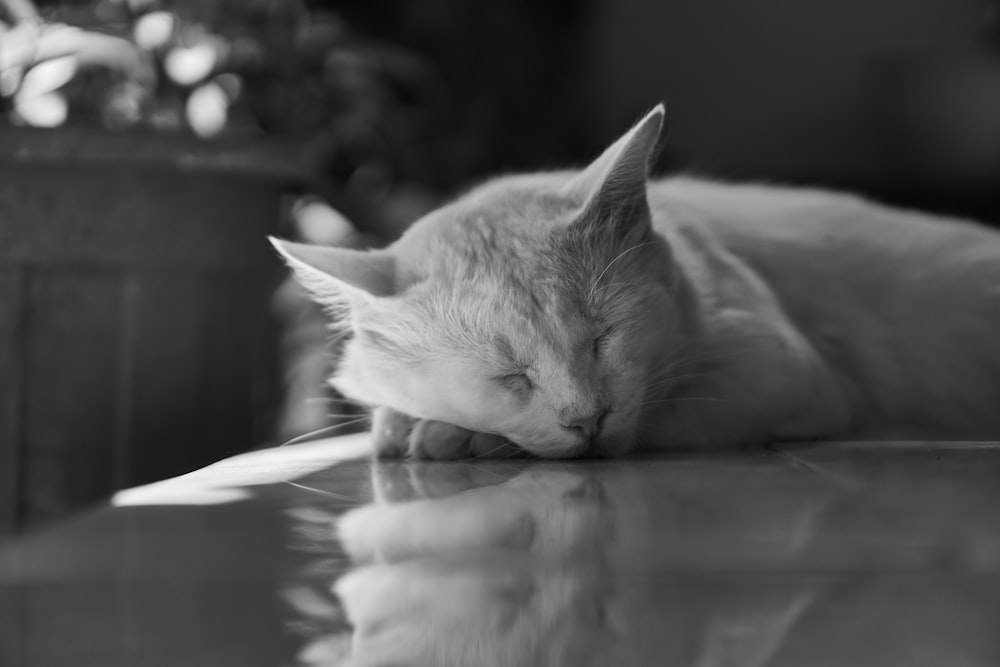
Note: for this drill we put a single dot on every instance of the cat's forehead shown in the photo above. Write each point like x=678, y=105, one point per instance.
x=515, y=206
x=491, y=262
x=528, y=196
x=499, y=218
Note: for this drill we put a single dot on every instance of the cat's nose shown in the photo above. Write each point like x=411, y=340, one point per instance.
x=589, y=426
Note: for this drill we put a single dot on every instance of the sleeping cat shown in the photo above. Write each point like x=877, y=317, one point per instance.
x=595, y=312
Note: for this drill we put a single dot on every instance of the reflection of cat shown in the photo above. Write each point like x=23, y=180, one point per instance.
x=757, y=564
x=595, y=312
x=545, y=568
x=507, y=574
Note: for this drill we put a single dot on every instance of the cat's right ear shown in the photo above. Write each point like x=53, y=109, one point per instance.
x=338, y=278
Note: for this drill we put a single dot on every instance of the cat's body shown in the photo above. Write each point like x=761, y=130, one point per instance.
x=595, y=312
x=902, y=309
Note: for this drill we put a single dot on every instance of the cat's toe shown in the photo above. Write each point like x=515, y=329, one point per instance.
x=390, y=433
x=396, y=435
x=438, y=441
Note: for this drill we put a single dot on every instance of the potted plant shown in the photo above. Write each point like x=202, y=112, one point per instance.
x=146, y=150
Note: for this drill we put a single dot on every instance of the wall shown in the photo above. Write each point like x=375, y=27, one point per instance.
x=766, y=87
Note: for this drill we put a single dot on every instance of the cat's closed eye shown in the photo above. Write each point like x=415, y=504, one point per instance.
x=600, y=343
x=518, y=383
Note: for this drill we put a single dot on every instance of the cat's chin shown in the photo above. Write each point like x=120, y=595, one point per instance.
x=576, y=451
x=611, y=447
x=604, y=447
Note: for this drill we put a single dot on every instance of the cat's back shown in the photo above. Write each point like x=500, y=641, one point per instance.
x=785, y=232
x=810, y=217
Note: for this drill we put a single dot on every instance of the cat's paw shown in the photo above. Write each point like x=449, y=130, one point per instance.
x=396, y=435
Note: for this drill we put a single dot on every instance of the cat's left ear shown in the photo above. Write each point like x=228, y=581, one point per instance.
x=339, y=278
x=613, y=186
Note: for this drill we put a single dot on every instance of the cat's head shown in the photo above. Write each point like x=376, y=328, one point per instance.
x=538, y=307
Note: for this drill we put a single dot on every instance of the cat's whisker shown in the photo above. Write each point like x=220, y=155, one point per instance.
x=672, y=380
x=514, y=452
x=332, y=399
x=593, y=288
x=671, y=368
x=499, y=447
x=312, y=489
x=667, y=377
x=664, y=378
x=334, y=342
x=677, y=399
x=311, y=434
x=352, y=422
x=685, y=360
x=619, y=284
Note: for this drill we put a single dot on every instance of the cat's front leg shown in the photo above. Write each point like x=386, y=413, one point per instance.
x=396, y=435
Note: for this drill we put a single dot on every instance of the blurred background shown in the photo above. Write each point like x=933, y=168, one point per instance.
x=147, y=147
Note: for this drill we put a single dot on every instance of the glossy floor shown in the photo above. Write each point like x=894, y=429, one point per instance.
x=837, y=555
